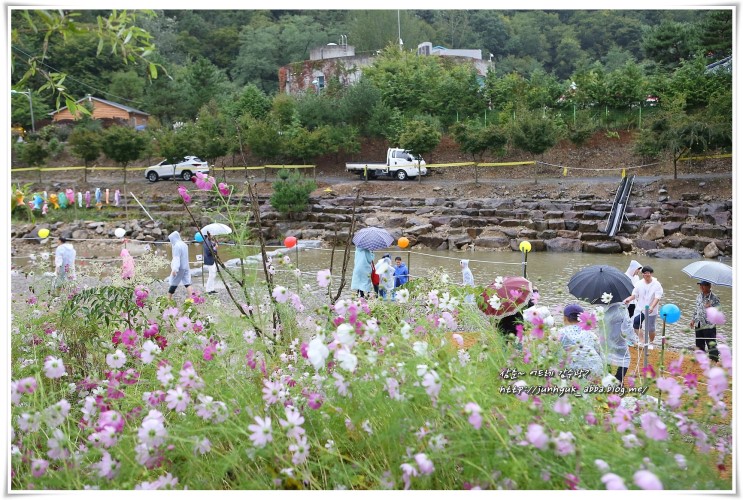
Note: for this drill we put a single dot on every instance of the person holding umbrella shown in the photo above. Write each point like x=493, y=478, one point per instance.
x=706, y=332
x=362, y=269
x=210, y=245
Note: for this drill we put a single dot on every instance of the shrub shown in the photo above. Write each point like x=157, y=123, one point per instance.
x=291, y=192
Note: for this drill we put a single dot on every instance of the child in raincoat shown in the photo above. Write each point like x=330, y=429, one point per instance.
x=64, y=261
x=127, y=264
x=467, y=279
x=386, y=277
x=180, y=273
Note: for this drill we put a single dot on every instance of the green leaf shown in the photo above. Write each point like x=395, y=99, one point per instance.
x=153, y=70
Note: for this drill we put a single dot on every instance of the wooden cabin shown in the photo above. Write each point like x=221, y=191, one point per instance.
x=107, y=111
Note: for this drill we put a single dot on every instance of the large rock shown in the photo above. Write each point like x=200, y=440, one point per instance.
x=555, y=224
x=674, y=253
x=434, y=241
x=624, y=242
x=642, y=212
x=602, y=247
x=707, y=230
x=646, y=244
x=422, y=229
x=711, y=251
x=563, y=245
x=492, y=242
x=671, y=227
x=654, y=232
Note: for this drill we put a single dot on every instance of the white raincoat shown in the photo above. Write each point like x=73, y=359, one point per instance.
x=179, y=264
x=467, y=279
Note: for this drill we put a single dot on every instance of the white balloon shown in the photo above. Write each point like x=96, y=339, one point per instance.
x=120, y=232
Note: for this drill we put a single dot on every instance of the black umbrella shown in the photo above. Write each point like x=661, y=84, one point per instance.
x=592, y=283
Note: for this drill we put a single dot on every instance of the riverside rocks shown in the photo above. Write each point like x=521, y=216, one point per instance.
x=685, y=228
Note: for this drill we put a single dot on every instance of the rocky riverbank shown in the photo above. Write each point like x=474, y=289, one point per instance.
x=688, y=227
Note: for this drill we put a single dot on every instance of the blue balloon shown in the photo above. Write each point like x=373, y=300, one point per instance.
x=670, y=313
x=198, y=238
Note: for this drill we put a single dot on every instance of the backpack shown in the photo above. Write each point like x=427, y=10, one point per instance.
x=374, y=275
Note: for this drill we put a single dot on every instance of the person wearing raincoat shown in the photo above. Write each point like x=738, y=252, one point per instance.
x=386, y=277
x=64, y=261
x=127, y=264
x=614, y=332
x=467, y=279
x=180, y=273
x=362, y=268
x=633, y=271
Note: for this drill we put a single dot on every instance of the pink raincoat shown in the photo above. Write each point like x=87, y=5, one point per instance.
x=127, y=265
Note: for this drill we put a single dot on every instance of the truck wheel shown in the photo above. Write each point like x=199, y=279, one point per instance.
x=401, y=175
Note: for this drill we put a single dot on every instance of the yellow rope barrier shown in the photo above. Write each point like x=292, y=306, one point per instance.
x=506, y=164
x=705, y=157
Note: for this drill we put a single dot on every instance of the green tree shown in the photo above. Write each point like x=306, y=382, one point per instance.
x=716, y=36
x=264, y=139
x=33, y=153
x=291, y=192
x=476, y=140
x=86, y=145
x=123, y=145
x=535, y=135
x=214, y=134
x=675, y=133
x=670, y=43
x=127, y=84
x=358, y=103
x=419, y=137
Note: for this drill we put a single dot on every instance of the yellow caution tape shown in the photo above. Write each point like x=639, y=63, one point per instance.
x=506, y=164
x=564, y=171
x=705, y=157
x=624, y=173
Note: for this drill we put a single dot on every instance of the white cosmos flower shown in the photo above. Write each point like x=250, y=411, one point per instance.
x=606, y=298
x=405, y=330
x=420, y=347
x=346, y=360
x=345, y=335
x=317, y=352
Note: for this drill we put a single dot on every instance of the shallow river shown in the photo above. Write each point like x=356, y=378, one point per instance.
x=549, y=272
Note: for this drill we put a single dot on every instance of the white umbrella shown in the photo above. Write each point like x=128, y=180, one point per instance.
x=715, y=272
x=216, y=229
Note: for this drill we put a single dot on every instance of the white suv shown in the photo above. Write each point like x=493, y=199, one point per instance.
x=183, y=169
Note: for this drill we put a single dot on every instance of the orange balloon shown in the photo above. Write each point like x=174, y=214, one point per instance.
x=403, y=242
x=290, y=241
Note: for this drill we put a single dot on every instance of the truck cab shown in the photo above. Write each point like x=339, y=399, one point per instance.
x=401, y=157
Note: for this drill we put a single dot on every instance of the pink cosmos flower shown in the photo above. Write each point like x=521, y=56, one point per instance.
x=56, y=444
x=432, y=384
x=670, y=386
x=250, y=359
x=591, y=418
x=473, y=410
x=261, y=432
x=27, y=385
x=425, y=465
x=323, y=278
x=177, y=399
x=646, y=480
x=116, y=359
x=54, y=367
x=536, y=437
x=39, y=467
x=717, y=383
x=164, y=374
x=224, y=189
x=184, y=194
x=653, y=426
x=300, y=450
x=715, y=316
x=314, y=401
x=152, y=432
x=152, y=330
x=111, y=418
x=183, y=324
x=622, y=419
x=293, y=423
x=564, y=444
x=272, y=392
x=726, y=357
x=189, y=378
x=107, y=467
x=408, y=471
x=202, y=447
x=587, y=320
x=281, y=294
x=613, y=482
x=170, y=312
x=129, y=337
x=562, y=406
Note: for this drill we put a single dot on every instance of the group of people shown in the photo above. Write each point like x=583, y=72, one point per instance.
x=383, y=278
x=624, y=324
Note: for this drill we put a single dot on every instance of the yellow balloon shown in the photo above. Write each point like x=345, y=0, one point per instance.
x=525, y=246
x=43, y=233
x=403, y=242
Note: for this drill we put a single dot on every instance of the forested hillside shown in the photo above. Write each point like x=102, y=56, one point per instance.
x=554, y=74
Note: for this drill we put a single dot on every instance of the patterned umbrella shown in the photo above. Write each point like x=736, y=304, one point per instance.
x=373, y=238
x=592, y=282
x=716, y=273
x=513, y=294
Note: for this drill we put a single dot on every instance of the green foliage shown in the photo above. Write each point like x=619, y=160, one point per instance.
x=670, y=43
x=32, y=152
x=419, y=137
x=214, y=134
x=85, y=144
x=535, y=134
x=123, y=144
x=264, y=139
x=291, y=192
